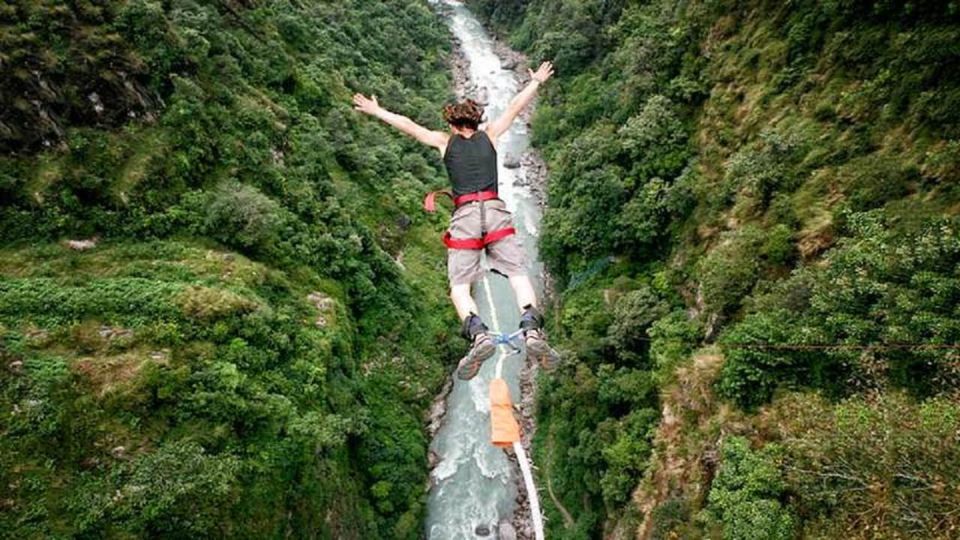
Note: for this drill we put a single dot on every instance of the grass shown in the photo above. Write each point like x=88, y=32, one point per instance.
x=146, y=147
x=48, y=171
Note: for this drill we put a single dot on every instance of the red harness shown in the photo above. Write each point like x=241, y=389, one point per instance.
x=430, y=205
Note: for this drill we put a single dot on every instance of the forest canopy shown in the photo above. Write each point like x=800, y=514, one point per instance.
x=779, y=182
x=234, y=351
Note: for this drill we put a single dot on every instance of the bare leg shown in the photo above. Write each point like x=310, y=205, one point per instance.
x=463, y=300
x=523, y=290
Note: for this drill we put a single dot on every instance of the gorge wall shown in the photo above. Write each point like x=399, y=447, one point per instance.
x=774, y=275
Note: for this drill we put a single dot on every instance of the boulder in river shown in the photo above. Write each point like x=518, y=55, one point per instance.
x=511, y=161
x=508, y=64
x=506, y=531
x=483, y=96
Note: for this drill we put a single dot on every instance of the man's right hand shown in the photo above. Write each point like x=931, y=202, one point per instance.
x=544, y=72
x=364, y=104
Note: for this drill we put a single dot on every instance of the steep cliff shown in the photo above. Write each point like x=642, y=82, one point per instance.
x=774, y=281
x=219, y=312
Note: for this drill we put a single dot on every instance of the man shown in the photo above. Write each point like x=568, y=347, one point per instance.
x=481, y=221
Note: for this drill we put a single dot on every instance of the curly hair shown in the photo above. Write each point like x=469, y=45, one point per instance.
x=467, y=114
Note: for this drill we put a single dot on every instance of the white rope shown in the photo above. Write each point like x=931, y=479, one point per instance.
x=531, y=491
x=532, y=494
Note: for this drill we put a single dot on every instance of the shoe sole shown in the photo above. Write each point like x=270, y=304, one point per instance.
x=469, y=367
x=539, y=351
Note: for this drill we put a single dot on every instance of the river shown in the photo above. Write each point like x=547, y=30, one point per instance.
x=474, y=485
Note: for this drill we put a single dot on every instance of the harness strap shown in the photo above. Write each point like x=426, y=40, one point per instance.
x=477, y=196
x=430, y=201
x=477, y=243
x=430, y=205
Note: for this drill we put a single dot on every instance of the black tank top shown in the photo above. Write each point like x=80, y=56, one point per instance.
x=471, y=163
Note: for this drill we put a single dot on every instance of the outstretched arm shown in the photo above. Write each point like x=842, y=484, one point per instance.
x=404, y=124
x=520, y=101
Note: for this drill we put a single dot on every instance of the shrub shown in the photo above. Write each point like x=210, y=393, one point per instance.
x=177, y=488
x=750, y=375
x=873, y=181
x=882, y=288
x=778, y=248
x=672, y=341
x=884, y=464
x=625, y=456
x=729, y=271
x=633, y=314
x=655, y=140
x=759, y=170
x=240, y=215
x=745, y=495
x=209, y=303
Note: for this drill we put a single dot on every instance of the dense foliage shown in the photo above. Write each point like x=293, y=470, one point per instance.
x=248, y=348
x=745, y=497
x=776, y=178
x=874, y=466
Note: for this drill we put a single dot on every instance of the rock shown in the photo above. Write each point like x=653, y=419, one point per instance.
x=97, y=103
x=37, y=336
x=119, y=452
x=511, y=161
x=83, y=245
x=509, y=63
x=505, y=531
x=483, y=96
x=16, y=366
x=324, y=304
x=482, y=530
x=438, y=409
x=111, y=333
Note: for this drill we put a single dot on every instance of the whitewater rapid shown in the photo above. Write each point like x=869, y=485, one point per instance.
x=473, y=486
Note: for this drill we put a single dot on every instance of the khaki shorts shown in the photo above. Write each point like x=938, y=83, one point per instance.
x=504, y=256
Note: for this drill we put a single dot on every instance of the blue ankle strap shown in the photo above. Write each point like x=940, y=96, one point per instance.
x=511, y=340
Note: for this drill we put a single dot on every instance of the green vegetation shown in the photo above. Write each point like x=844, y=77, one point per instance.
x=248, y=349
x=761, y=334
x=777, y=177
x=883, y=463
x=745, y=495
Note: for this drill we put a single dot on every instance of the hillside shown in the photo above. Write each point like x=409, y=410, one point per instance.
x=218, y=305
x=763, y=331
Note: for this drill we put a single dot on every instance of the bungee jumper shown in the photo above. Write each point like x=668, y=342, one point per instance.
x=481, y=222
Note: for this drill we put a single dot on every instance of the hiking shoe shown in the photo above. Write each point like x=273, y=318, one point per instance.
x=483, y=347
x=539, y=351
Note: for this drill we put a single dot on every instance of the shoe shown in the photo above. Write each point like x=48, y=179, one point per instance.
x=483, y=347
x=531, y=322
x=539, y=351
